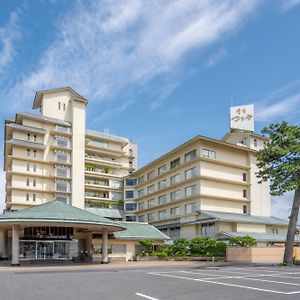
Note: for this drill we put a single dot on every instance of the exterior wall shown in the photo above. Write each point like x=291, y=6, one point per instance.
x=221, y=205
x=242, y=227
x=258, y=254
x=78, y=152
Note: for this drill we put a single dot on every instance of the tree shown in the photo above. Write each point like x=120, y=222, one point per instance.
x=279, y=162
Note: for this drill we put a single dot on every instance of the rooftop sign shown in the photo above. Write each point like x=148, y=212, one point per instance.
x=242, y=117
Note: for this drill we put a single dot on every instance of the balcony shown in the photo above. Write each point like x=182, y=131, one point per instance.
x=98, y=160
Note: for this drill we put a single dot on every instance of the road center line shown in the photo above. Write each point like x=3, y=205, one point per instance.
x=145, y=296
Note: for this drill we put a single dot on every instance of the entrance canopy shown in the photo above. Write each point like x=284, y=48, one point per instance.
x=57, y=213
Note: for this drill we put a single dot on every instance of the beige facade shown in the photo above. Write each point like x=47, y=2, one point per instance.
x=52, y=155
x=175, y=191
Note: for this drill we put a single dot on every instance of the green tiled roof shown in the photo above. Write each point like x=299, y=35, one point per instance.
x=57, y=212
x=139, y=231
x=243, y=218
x=105, y=212
x=260, y=237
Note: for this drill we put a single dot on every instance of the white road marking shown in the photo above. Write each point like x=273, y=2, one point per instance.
x=265, y=280
x=145, y=296
x=225, y=284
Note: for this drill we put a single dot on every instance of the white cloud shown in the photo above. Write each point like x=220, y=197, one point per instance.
x=103, y=49
x=286, y=108
x=289, y=4
x=9, y=34
x=281, y=206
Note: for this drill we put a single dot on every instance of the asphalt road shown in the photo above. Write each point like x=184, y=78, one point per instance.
x=162, y=283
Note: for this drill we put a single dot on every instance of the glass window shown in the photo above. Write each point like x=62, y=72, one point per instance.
x=61, y=185
x=190, y=155
x=62, y=171
x=175, y=179
x=130, y=206
x=209, y=153
x=63, y=129
x=34, y=168
x=129, y=194
x=141, y=193
x=162, y=199
x=141, y=180
x=162, y=169
x=244, y=193
x=28, y=152
x=34, y=197
x=62, y=198
x=151, y=188
x=141, y=218
x=28, y=167
x=151, y=175
x=244, y=176
x=118, y=249
x=34, y=138
x=62, y=142
x=131, y=218
x=62, y=156
x=27, y=197
x=175, y=233
x=255, y=143
x=162, y=214
x=130, y=182
x=190, y=173
x=174, y=211
x=151, y=203
x=191, y=190
x=162, y=184
x=208, y=230
x=34, y=182
x=151, y=217
x=174, y=163
x=27, y=181
x=175, y=195
x=244, y=209
x=34, y=153
x=141, y=205
x=190, y=208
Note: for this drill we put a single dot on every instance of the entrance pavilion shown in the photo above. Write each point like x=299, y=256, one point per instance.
x=52, y=230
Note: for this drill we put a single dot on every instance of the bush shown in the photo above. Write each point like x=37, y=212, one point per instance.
x=180, y=247
x=148, y=247
x=245, y=241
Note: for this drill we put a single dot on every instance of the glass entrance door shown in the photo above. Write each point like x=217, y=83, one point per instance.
x=44, y=250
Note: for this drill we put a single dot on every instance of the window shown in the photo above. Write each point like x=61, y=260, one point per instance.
x=28, y=167
x=208, y=230
x=34, y=153
x=151, y=188
x=100, y=144
x=130, y=182
x=141, y=205
x=175, y=233
x=27, y=197
x=61, y=185
x=245, y=209
x=34, y=138
x=141, y=180
x=209, y=153
x=63, y=129
x=175, y=211
x=244, y=193
x=141, y=218
x=130, y=206
x=151, y=203
x=175, y=195
x=174, y=163
x=28, y=137
x=34, y=197
x=140, y=193
x=62, y=156
x=174, y=179
x=28, y=152
x=190, y=156
x=34, y=168
x=162, y=199
x=27, y=182
x=34, y=182
x=255, y=142
x=275, y=230
x=64, y=105
x=161, y=184
x=62, y=142
x=129, y=194
x=191, y=190
x=190, y=173
x=190, y=208
x=59, y=105
x=150, y=175
x=151, y=217
x=62, y=171
x=244, y=177
x=162, y=214
x=162, y=169
x=131, y=218
x=62, y=198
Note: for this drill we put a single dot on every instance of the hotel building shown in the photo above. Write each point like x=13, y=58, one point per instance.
x=51, y=156
x=207, y=187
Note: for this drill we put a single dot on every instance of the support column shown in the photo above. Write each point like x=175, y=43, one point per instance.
x=15, y=246
x=104, y=247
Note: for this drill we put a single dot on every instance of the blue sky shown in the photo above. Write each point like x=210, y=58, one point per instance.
x=159, y=72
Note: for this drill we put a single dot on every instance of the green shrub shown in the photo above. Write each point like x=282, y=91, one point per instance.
x=148, y=247
x=180, y=247
x=245, y=241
